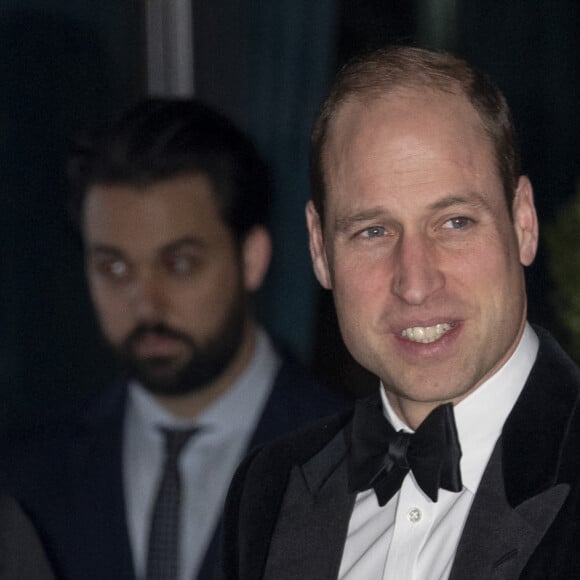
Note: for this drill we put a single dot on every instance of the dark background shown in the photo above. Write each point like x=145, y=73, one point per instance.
x=69, y=64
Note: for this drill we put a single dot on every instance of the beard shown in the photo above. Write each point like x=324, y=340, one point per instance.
x=170, y=376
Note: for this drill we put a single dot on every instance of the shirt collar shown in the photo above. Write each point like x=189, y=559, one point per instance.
x=481, y=415
x=237, y=409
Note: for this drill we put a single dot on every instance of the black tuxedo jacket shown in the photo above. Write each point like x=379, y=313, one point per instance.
x=288, y=507
x=70, y=479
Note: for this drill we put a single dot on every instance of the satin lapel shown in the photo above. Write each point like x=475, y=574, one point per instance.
x=498, y=539
x=313, y=520
x=529, y=474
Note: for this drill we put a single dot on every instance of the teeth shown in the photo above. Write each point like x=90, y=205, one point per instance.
x=426, y=333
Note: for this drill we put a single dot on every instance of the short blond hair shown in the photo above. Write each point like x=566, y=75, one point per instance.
x=379, y=72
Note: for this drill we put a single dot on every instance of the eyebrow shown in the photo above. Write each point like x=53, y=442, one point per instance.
x=345, y=223
x=174, y=245
x=99, y=248
x=472, y=199
x=178, y=244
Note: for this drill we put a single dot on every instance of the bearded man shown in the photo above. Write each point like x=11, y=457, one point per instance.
x=172, y=205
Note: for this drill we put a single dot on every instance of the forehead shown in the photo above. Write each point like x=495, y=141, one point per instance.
x=145, y=217
x=407, y=139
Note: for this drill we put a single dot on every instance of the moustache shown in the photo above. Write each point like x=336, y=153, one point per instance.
x=159, y=329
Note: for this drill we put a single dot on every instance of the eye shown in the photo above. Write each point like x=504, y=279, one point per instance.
x=181, y=265
x=374, y=232
x=112, y=269
x=457, y=223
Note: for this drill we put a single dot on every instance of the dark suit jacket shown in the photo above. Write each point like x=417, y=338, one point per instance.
x=288, y=507
x=69, y=479
x=21, y=555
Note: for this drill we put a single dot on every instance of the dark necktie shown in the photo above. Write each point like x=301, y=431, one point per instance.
x=163, y=553
x=380, y=457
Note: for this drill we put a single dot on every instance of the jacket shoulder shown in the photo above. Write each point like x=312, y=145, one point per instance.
x=257, y=491
x=298, y=398
x=43, y=453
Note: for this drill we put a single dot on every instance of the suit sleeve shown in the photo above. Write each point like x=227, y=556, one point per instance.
x=22, y=556
x=230, y=553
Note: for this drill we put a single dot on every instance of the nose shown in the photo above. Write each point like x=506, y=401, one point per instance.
x=148, y=298
x=416, y=272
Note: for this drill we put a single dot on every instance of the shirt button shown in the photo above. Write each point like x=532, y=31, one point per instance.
x=414, y=515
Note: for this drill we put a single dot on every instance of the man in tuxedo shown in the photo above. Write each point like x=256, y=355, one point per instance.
x=172, y=206
x=466, y=462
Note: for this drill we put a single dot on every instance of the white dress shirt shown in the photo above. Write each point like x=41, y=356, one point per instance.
x=207, y=463
x=412, y=537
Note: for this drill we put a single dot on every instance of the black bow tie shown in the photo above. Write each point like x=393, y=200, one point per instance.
x=380, y=457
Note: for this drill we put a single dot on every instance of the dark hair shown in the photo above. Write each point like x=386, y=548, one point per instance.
x=375, y=74
x=163, y=138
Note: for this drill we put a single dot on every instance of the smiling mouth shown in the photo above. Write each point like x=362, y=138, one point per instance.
x=426, y=334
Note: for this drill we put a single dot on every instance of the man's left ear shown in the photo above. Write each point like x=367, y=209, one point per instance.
x=256, y=255
x=525, y=221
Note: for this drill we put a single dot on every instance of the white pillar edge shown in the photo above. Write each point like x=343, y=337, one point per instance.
x=169, y=47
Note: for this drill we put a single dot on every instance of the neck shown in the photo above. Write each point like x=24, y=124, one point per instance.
x=412, y=413
x=192, y=404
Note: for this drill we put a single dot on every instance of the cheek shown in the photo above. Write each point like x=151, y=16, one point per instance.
x=197, y=305
x=495, y=267
x=360, y=288
x=112, y=312
x=204, y=305
x=493, y=281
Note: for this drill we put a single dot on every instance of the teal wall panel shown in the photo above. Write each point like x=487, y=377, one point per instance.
x=64, y=65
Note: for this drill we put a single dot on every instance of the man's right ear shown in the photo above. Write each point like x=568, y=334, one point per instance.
x=317, y=249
